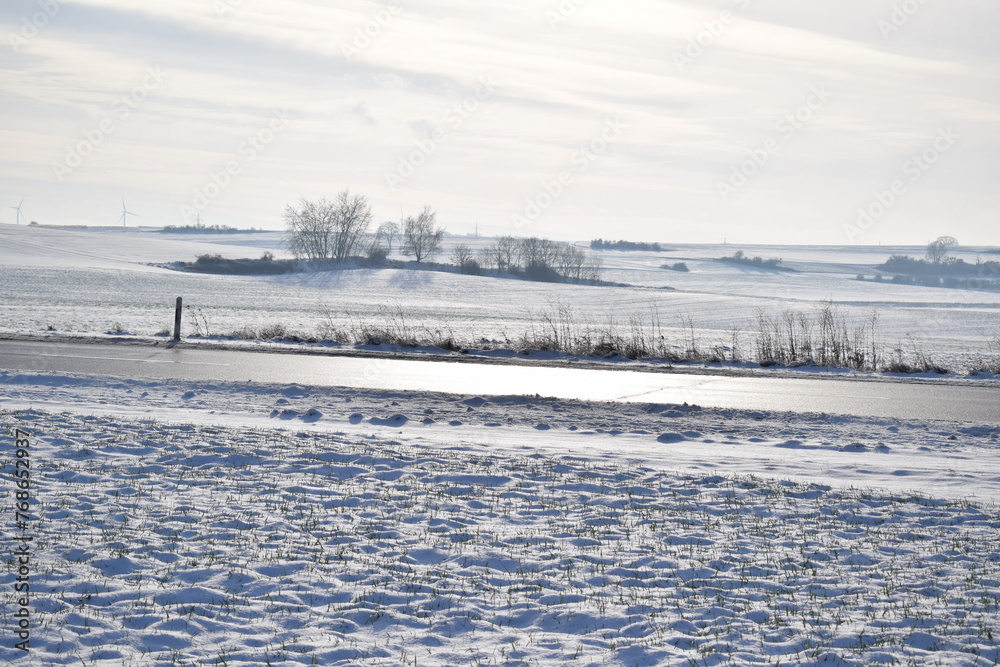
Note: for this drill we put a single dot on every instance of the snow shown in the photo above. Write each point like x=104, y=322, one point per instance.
x=951, y=460
x=88, y=282
x=247, y=523
x=255, y=523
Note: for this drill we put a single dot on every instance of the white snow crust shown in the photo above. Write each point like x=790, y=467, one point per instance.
x=198, y=523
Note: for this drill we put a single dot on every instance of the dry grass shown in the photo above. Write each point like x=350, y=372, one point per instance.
x=823, y=337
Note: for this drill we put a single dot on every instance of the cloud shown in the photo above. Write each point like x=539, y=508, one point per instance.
x=364, y=83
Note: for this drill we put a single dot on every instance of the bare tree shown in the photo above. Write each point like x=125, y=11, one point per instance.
x=320, y=230
x=461, y=254
x=375, y=252
x=937, y=251
x=352, y=219
x=537, y=257
x=593, y=267
x=389, y=230
x=464, y=258
x=310, y=229
x=502, y=253
x=571, y=262
x=421, y=238
x=486, y=258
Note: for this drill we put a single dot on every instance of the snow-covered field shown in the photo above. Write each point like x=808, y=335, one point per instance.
x=185, y=523
x=251, y=524
x=91, y=281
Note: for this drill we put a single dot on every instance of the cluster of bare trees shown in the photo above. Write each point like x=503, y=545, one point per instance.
x=533, y=258
x=328, y=230
x=337, y=230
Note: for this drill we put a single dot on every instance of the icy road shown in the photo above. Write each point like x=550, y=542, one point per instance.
x=907, y=400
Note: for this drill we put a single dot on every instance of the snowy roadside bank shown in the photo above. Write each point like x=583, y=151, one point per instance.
x=945, y=459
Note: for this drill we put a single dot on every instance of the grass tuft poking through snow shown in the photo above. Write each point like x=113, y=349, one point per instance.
x=181, y=544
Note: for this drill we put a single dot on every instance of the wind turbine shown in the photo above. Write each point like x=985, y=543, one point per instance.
x=126, y=213
x=18, y=216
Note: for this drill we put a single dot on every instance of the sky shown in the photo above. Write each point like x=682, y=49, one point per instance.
x=747, y=121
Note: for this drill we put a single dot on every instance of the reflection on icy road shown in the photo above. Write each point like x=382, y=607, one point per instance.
x=834, y=396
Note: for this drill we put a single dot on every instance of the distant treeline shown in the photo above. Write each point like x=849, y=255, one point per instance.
x=739, y=257
x=948, y=268
x=938, y=281
x=606, y=244
x=531, y=258
x=266, y=265
x=205, y=229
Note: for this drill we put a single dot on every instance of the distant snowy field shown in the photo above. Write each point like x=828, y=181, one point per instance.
x=92, y=281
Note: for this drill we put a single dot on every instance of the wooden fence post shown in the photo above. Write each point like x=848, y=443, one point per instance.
x=177, y=320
